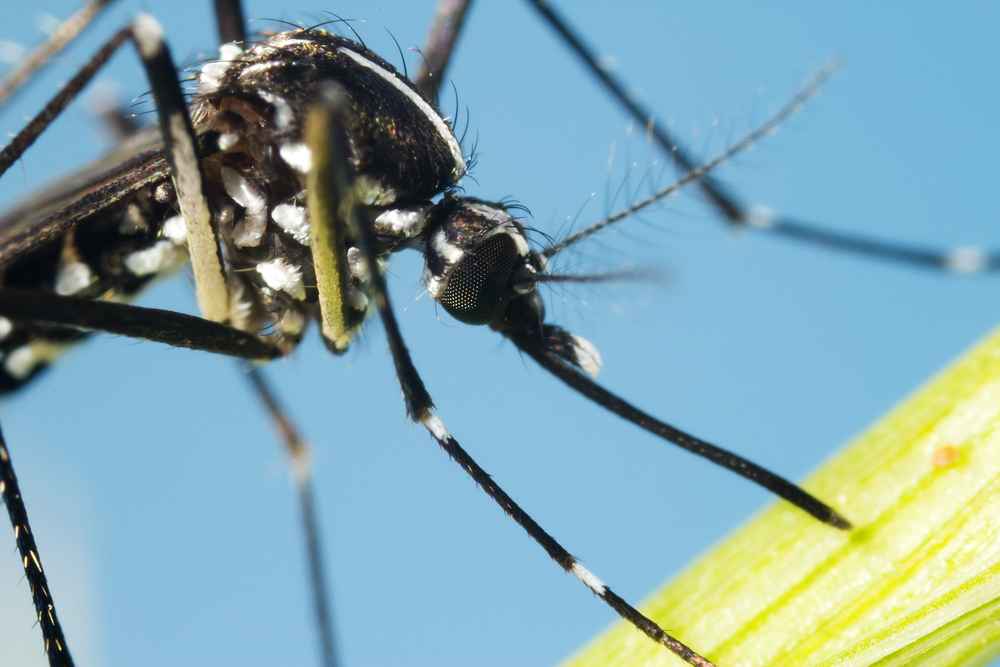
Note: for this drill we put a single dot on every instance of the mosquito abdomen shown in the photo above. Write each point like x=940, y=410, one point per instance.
x=111, y=254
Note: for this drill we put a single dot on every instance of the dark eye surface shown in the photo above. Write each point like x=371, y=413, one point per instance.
x=479, y=286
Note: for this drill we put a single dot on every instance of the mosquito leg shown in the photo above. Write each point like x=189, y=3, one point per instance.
x=180, y=146
x=153, y=324
x=331, y=148
x=328, y=241
x=440, y=45
x=67, y=31
x=230, y=21
x=298, y=454
x=52, y=632
x=37, y=125
x=720, y=198
x=533, y=345
x=733, y=210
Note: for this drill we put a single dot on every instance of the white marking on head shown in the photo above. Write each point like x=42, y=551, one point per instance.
x=966, y=259
x=159, y=257
x=245, y=192
x=435, y=119
x=148, y=35
x=588, y=578
x=761, y=217
x=448, y=251
x=402, y=223
x=297, y=156
x=293, y=220
x=435, y=284
x=175, y=229
x=72, y=278
x=587, y=356
x=281, y=275
x=6, y=326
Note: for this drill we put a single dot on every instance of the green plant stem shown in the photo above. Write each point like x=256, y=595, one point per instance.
x=917, y=582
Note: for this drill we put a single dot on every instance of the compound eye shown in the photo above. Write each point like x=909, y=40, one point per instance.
x=478, y=287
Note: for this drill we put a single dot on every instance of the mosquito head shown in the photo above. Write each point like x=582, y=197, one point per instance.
x=482, y=270
x=478, y=259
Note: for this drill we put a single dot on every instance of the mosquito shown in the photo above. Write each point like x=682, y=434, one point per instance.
x=567, y=348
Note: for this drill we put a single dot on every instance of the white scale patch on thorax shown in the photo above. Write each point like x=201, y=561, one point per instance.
x=247, y=194
x=72, y=278
x=175, y=229
x=402, y=223
x=297, y=156
x=160, y=257
x=283, y=276
x=294, y=220
x=211, y=75
x=283, y=114
x=21, y=361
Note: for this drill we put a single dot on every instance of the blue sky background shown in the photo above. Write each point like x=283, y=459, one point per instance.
x=160, y=498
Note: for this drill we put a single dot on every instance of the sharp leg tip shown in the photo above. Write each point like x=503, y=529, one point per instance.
x=838, y=521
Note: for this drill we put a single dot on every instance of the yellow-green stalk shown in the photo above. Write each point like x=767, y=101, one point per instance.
x=917, y=582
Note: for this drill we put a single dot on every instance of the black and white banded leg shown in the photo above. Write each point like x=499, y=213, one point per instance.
x=328, y=146
x=959, y=260
x=56, y=648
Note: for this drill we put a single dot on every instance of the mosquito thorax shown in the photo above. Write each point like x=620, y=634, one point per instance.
x=256, y=100
x=402, y=148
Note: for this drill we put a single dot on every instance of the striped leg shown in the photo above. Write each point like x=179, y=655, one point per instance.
x=737, y=212
x=152, y=324
x=331, y=149
x=52, y=633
